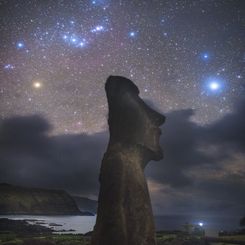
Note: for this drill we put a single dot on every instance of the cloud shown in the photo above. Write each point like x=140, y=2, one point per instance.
x=206, y=161
x=229, y=130
x=202, y=169
x=20, y=134
x=179, y=141
x=30, y=156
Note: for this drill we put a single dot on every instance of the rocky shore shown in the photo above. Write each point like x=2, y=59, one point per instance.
x=21, y=232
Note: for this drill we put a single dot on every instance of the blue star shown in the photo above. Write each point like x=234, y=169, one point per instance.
x=98, y=28
x=99, y=2
x=81, y=44
x=205, y=56
x=9, y=67
x=73, y=39
x=132, y=34
x=20, y=45
x=214, y=85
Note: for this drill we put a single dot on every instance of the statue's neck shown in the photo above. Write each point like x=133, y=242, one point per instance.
x=127, y=151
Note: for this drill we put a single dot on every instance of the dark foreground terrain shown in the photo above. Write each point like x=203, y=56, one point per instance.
x=72, y=239
x=20, y=232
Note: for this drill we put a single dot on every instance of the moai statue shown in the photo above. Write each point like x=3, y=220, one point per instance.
x=124, y=215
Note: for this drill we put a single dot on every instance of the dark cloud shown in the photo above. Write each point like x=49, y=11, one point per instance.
x=230, y=130
x=30, y=156
x=193, y=153
x=24, y=134
x=180, y=142
x=184, y=143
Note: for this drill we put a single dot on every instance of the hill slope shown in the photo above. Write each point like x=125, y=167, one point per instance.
x=21, y=200
x=86, y=204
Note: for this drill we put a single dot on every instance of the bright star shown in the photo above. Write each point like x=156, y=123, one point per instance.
x=20, y=45
x=9, y=67
x=98, y=28
x=132, y=34
x=205, y=56
x=37, y=84
x=81, y=44
x=99, y=2
x=214, y=85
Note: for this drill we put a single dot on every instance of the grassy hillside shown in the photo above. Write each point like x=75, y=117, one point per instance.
x=20, y=200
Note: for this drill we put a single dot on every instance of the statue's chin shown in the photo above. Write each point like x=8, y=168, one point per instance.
x=156, y=154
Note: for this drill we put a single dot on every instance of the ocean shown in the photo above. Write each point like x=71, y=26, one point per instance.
x=84, y=224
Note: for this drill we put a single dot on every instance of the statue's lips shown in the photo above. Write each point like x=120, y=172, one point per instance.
x=158, y=131
x=157, y=134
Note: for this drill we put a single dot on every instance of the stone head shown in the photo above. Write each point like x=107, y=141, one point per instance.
x=131, y=121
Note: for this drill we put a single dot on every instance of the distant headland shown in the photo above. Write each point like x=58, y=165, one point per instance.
x=36, y=201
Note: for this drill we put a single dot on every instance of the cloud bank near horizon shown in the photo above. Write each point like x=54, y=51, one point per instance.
x=202, y=171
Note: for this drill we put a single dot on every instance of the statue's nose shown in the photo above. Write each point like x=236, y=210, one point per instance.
x=157, y=118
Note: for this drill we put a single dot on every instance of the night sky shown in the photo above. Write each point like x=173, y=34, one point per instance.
x=186, y=57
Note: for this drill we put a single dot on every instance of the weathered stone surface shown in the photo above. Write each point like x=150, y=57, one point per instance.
x=124, y=214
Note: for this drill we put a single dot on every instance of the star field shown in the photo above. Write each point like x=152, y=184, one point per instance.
x=56, y=56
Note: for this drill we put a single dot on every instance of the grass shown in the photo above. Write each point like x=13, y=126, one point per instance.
x=229, y=239
x=163, y=238
x=234, y=238
x=56, y=239
x=72, y=239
